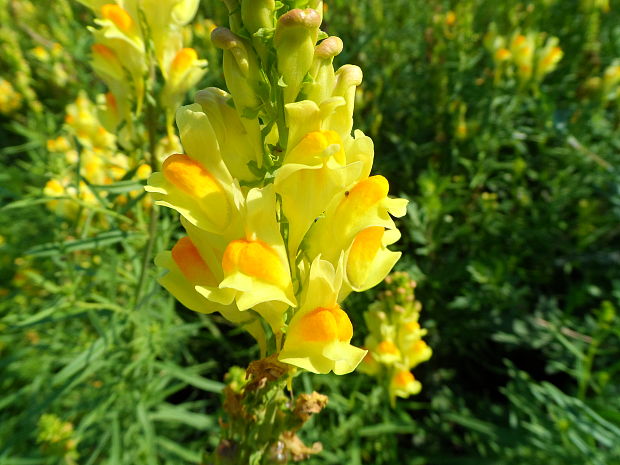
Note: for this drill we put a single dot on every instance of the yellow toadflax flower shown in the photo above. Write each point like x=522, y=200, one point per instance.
x=522, y=48
x=185, y=70
x=120, y=56
x=548, y=58
x=395, y=341
x=319, y=335
x=274, y=189
x=10, y=99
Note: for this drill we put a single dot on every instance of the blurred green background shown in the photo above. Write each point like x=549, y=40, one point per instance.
x=513, y=234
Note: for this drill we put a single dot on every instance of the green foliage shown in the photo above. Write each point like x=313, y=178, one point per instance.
x=512, y=235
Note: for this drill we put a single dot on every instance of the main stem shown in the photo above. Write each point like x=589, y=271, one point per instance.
x=151, y=121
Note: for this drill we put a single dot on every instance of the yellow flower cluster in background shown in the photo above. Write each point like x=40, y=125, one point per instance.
x=86, y=144
x=57, y=438
x=395, y=345
x=283, y=219
x=34, y=62
x=593, y=4
x=529, y=56
x=120, y=58
x=10, y=99
x=607, y=86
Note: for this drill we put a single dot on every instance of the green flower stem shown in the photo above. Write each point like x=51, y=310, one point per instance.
x=151, y=124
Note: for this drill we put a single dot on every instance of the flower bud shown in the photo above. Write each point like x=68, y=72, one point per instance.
x=232, y=138
x=322, y=70
x=240, y=68
x=257, y=14
x=242, y=78
x=348, y=77
x=295, y=36
x=184, y=73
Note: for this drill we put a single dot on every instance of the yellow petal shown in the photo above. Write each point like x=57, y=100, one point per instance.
x=318, y=337
x=368, y=259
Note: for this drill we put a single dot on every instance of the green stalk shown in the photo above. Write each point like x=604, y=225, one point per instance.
x=154, y=216
x=151, y=123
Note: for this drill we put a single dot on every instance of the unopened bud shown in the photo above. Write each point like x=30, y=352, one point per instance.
x=295, y=36
x=322, y=70
x=348, y=77
x=240, y=67
x=242, y=77
x=257, y=14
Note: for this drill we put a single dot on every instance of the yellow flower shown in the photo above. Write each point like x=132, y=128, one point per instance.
x=404, y=384
x=60, y=144
x=256, y=265
x=346, y=228
x=234, y=142
x=119, y=17
x=10, y=99
x=197, y=184
x=502, y=54
x=368, y=259
x=166, y=19
x=450, y=18
x=417, y=353
x=387, y=352
x=522, y=48
x=82, y=118
x=294, y=40
x=120, y=50
x=40, y=53
x=319, y=335
x=184, y=73
x=191, y=279
x=275, y=194
x=143, y=171
x=313, y=173
x=548, y=58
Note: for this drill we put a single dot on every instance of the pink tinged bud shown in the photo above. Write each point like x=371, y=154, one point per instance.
x=294, y=40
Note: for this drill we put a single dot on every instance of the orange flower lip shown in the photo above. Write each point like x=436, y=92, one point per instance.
x=189, y=176
x=106, y=52
x=403, y=378
x=325, y=325
x=117, y=15
x=369, y=191
x=257, y=259
x=387, y=347
x=313, y=144
x=188, y=259
x=184, y=59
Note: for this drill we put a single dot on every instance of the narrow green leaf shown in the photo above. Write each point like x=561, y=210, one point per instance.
x=191, y=378
x=101, y=240
x=178, y=450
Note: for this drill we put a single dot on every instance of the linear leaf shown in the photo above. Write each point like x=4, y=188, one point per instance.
x=191, y=378
x=100, y=240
